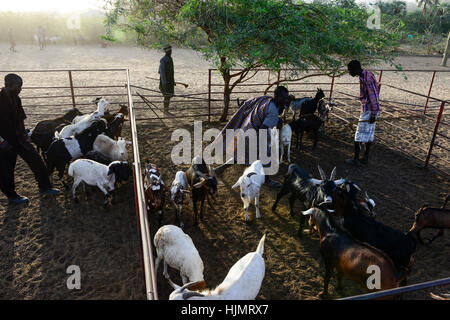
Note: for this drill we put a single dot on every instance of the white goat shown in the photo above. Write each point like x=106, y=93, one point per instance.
x=73, y=129
x=97, y=174
x=177, y=191
x=111, y=149
x=250, y=183
x=177, y=250
x=100, y=112
x=285, y=140
x=242, y=282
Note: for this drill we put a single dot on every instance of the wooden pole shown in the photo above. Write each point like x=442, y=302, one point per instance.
x=446, y=52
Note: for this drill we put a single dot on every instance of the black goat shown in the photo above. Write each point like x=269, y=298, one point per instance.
x=311, y=123
x=399, y=246
x=44, y=132
x=305, y=105
x=310, y=191
x=62, y=151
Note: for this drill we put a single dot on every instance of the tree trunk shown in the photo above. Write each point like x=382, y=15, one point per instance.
x=226, y=95
x=447, y=49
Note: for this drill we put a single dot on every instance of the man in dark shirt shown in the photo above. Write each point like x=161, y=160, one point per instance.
x=166, y=77
x=14, y=141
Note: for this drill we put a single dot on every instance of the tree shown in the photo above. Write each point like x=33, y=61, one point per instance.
x=250, y=34
x=426, y=3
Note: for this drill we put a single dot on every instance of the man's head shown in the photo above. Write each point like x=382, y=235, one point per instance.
x=168, y=50
x=281, y=98
x=13, y=84
x=354, y=68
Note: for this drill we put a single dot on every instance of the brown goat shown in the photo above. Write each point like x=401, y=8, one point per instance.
x=348, y=256
x=155, y=191
x=203, y=184
x=429, y=217
x=109, y=117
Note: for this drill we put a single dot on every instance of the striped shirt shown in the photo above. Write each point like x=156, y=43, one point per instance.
x=369, y=94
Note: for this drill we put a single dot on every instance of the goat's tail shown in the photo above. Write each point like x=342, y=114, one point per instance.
x=260, y=248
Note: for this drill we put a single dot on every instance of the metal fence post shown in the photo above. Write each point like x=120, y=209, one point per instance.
x=436, y=128
x=71, y=88
x=209, y=95
x=332, y=85
x=429, y=92
x=379, y=81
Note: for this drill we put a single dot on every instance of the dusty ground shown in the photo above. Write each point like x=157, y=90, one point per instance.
x=38, y=242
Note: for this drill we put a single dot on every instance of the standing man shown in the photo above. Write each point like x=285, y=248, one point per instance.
x=41, y=37
x=166, y=77
x=14, y=141
x=370, y=109
x=257, y=113
x=11, y=40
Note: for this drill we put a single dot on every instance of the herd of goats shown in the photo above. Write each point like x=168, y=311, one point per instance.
x=351, y=239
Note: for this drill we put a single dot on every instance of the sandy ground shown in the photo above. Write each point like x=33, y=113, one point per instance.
x=38, y=242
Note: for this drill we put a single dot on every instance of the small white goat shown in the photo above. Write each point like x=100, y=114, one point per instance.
x=111, y=149
x=97, y=174
x=177, y=191
x=285, y=140
x=73, y=129
x=242, y=282
x=250, y=183
x=177, y=250
x=100, y=112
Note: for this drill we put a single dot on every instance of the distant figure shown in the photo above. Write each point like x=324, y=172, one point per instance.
x=11, y=40
x=166, y=77
x=370, y=109
x=41, y=38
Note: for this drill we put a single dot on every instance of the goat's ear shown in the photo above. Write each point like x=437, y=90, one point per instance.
x=308, y=212
x=321, y=172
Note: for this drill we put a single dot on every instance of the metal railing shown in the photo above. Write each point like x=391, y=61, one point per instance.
x=400, y=290
x=74, y=100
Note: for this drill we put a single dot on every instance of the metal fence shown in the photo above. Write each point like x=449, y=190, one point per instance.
x=64, y=93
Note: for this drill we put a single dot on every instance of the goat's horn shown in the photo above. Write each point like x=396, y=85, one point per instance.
x=322, y=173
x=366, y=195
x=333, y=174
x=185, y=286
x=200, y=184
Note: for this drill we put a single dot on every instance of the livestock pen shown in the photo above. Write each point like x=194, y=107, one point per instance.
x=293, y=267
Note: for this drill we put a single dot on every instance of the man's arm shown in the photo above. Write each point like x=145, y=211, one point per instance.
x=271, y=119
x=372, y=99
x=162, y=71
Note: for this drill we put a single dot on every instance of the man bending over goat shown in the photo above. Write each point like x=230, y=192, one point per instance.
x=257, y=113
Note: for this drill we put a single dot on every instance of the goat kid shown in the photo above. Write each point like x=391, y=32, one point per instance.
x=178, y=190
x=250, y=182
x=101, y=106
x=242, y=282
x=176, y=249
x=97, y=174
x=155, y=191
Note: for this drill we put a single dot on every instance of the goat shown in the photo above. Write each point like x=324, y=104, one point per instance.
x=429, y=217
x=155, y=190
x=97, y=174
x=203, y=184
x=62, y=151
x=176, y=249
x=285, y=140
x=310, y=191
x=44, y=132
x=111, y=149
x=115, y=126
x=242, y=282
x=396, y=244
x=352, y=190
x=108, y=116
x=306, y=105
x=101, y=106
x=97, y=157
x=177, y=191
x=350, y=257
x=250, y=183
x=73, y=129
